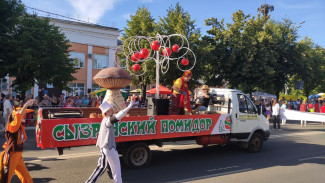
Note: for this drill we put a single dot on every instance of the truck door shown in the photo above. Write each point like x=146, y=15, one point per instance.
x=246, y=115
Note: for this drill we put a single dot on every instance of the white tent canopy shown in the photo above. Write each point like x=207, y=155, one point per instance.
x=263, y=95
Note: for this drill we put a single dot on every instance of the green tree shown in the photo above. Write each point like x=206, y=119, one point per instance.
x=37, y=53
x=252, y=53
x=141, y=24
x=237, y=52
x=313, y=74
x=178, y=21
x=10, y=12
x=285, y=53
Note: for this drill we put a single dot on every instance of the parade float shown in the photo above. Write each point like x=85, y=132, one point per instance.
x=226, y=120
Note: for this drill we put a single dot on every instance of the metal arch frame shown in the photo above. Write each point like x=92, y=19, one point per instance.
x=161, y=60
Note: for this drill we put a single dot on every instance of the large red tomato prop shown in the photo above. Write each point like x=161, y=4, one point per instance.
x=175, y=48
x=135, y=57
x=136, y=67
x=184, y=61
x=167, y=52
x=155, y=45
x=144, y=53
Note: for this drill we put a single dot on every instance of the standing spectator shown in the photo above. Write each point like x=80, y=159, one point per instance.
x=275, y=114
x=55, y=101
x=2, y=121
x=17, y=102
x=298, y=102
x=46, y=101
x=70, y=103
x=136, y=101
x=7, y=110
x=85, y=101
x=303, y=108
x=62, y=100
x=316, y=106
x=283, y=99
x=268, y=112
x=77, y=101
x=93, y=100
x=283, y=106
x=322, y=110
x=141, y=102
x=310, y=106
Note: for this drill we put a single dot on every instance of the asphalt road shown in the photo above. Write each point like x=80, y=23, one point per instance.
x=294, y=154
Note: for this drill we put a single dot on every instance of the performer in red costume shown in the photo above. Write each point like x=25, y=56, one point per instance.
x=181, y=97
x=11, y=159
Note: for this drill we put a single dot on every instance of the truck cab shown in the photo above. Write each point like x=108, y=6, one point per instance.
x=248, y=124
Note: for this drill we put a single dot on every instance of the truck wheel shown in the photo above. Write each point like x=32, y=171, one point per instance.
x=255, y=144
x=137, y=155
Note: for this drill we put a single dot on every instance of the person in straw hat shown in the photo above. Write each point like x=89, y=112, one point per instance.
x=106, y=143
x=11, y=158
x=203, y=99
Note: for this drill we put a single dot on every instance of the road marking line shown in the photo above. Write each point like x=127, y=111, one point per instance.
x=316, y=157
x=78, y=155
x=223, y=168
x=212, y=175
x=297, y=134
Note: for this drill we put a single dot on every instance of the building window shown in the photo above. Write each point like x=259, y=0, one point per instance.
x=77, y=89
x=78, y=59
x=95, y=87
x=99, y=61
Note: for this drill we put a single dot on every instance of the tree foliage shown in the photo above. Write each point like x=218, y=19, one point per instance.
x=178, y=21
x=141, y=24
x=36, y=52
x=312, y=74
x=10, y=12
x=251, y=53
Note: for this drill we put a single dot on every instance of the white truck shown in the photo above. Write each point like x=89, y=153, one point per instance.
x=231, y=117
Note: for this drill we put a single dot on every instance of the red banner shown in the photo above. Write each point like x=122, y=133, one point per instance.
x=84, y=131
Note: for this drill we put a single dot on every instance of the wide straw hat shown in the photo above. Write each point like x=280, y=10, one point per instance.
x=205, y=87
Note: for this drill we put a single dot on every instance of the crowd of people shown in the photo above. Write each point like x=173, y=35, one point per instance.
x=267, y=106
x=271, y=107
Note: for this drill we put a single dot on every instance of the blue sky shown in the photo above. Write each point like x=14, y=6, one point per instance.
x=116, y=12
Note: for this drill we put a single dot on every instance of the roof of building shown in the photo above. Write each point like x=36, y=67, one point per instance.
x=83, y=23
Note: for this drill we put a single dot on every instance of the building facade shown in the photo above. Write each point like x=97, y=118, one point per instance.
x=92, y=48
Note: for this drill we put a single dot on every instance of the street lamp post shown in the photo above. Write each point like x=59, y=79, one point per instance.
x=265, y=9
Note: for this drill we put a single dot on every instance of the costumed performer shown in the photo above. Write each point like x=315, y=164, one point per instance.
x=12, y=157
x=106, y=143
x=181, y=97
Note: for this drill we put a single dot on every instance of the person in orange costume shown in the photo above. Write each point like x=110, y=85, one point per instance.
x=11, y=158
x=181, y=97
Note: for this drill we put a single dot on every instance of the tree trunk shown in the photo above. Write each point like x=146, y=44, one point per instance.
x=277, y=94
x=22, y=96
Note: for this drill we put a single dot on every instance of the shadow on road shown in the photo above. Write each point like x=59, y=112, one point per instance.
x=213, y=161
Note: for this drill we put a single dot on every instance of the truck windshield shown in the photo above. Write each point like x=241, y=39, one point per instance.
x=245, y=105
